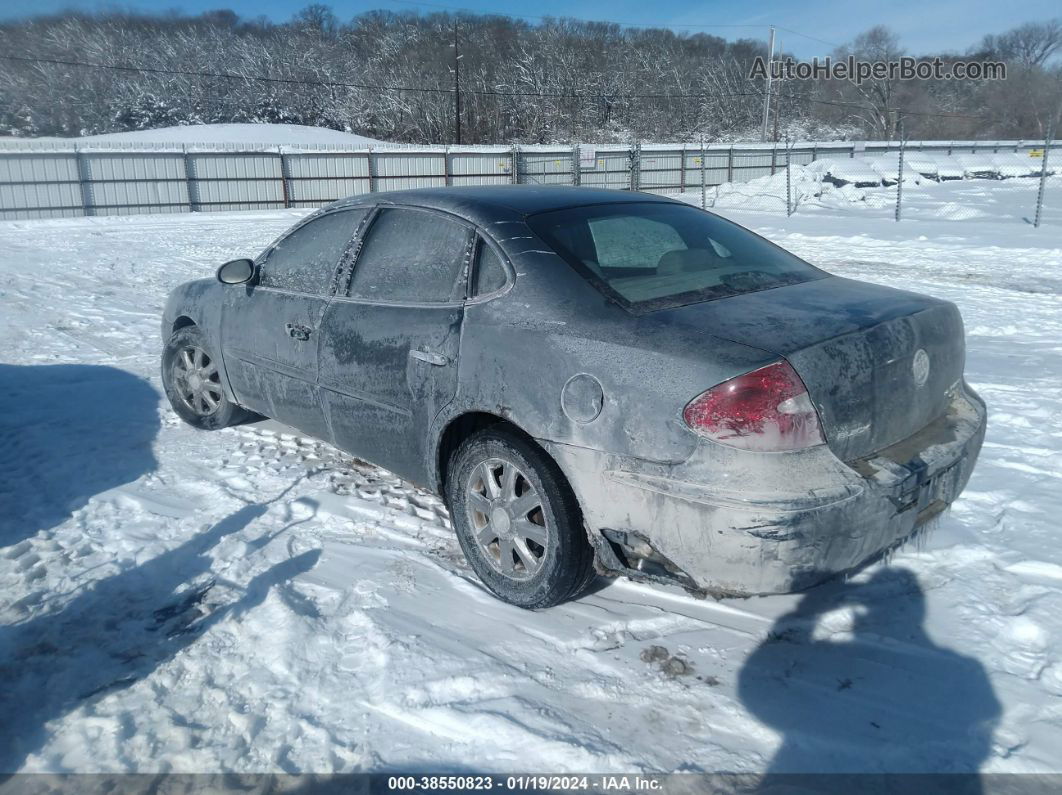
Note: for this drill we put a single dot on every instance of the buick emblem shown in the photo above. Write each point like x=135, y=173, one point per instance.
x=920, y=367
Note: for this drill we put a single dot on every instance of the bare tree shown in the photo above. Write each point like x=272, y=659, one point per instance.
x=385, y=74
x=1029, y=45
x=873, y=101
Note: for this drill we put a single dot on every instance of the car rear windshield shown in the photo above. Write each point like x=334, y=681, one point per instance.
x=656, y=255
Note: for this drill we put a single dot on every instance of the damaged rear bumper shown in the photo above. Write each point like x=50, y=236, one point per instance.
x=726, y=522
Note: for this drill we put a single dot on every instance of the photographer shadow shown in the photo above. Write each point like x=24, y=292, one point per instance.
x=866, y=690
x=68, y=433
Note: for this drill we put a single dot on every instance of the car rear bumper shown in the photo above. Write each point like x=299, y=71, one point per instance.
x=770, y=523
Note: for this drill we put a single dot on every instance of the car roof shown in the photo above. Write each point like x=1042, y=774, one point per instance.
x=487, y=203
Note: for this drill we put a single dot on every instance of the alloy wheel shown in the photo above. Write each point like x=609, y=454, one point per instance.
x=507, y=518
x=196, y=380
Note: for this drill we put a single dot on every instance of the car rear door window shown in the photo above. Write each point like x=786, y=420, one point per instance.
x=489, y=275
x=305, y=261
x=413, y=256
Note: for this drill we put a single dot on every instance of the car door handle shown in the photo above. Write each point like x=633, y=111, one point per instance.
x=431, y=358
x=298, y=331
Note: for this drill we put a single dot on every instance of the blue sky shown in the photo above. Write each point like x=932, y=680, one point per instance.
x=923, y=25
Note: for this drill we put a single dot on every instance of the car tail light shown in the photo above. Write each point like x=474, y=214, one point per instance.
x=768, y=410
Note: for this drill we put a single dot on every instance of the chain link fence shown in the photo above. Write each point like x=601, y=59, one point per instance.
x=907, y=184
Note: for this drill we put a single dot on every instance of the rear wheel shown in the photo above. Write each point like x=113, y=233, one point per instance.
x=192, y=382
x=517, y=521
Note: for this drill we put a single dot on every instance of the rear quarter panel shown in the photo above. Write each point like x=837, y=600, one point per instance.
x=534, y=354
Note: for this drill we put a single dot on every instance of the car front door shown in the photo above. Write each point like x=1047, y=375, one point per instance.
x=269, y=331
x=390, y=342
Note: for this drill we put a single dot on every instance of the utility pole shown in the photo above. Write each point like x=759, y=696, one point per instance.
x=767, y=98
x=457, y=88
x=777, y=103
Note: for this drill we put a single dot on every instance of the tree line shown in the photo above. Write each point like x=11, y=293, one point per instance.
x=393, y=76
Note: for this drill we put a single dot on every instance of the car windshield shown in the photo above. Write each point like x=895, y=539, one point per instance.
x=655, y=255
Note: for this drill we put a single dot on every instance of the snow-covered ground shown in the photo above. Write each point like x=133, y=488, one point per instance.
x=248, y=600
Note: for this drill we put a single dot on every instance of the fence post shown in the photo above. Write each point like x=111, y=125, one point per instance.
x=189, y=182
x=514, y=168
x=84, y=183
x=1043, y=177
x=774, y=158
x=576, y=168
x=704, y=176
x=635, y=166
x=788, y=179
x=284, y=186
x=899, y=176
x=682, y=171
x=730, y=165
x=370, y=164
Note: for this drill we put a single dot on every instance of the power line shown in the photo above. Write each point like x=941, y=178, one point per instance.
x=365, y=86
x=220, y=75
x=479, y=92
x=803, y=36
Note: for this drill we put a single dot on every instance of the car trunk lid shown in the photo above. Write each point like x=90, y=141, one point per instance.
x=878, y=363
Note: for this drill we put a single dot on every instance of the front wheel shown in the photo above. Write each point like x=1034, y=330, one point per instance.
x=518, y=521
x=193, y=384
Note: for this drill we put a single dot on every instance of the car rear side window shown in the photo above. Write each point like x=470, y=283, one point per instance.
x=489, y=275
x=632, y=242
x=305, y=261
x=414, y=256
x=653, y=255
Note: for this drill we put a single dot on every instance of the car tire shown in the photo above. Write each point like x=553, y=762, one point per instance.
x=518, y=521
x=201, y=401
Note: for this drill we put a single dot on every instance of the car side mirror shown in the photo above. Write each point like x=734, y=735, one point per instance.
x=237, y=271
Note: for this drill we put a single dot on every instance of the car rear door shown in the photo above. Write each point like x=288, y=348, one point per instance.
x=269, y=333
x=390, y=341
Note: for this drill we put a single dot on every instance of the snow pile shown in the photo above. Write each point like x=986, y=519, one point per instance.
x=251, y=134
x=252, y=600
x=807, y=185
x=881, y=169
x=846, y=171
x=864, y=184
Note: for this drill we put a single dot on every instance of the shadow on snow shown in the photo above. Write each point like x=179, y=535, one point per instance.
x=879, y=698
x=68, y=432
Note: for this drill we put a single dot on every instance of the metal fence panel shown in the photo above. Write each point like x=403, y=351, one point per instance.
x=60, y=179
x=408, y=170
x=40, y=200
x=45, y=185
x=480, y=168
x=660, y=171
x=317, y=179
x=610, y=168
x=132, y=182
x=546, y=168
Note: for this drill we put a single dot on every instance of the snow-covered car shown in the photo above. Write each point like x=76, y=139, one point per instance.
x=594, y=377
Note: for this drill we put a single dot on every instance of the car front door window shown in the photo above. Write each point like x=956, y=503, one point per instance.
x=412, y=256
x=305, y=261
